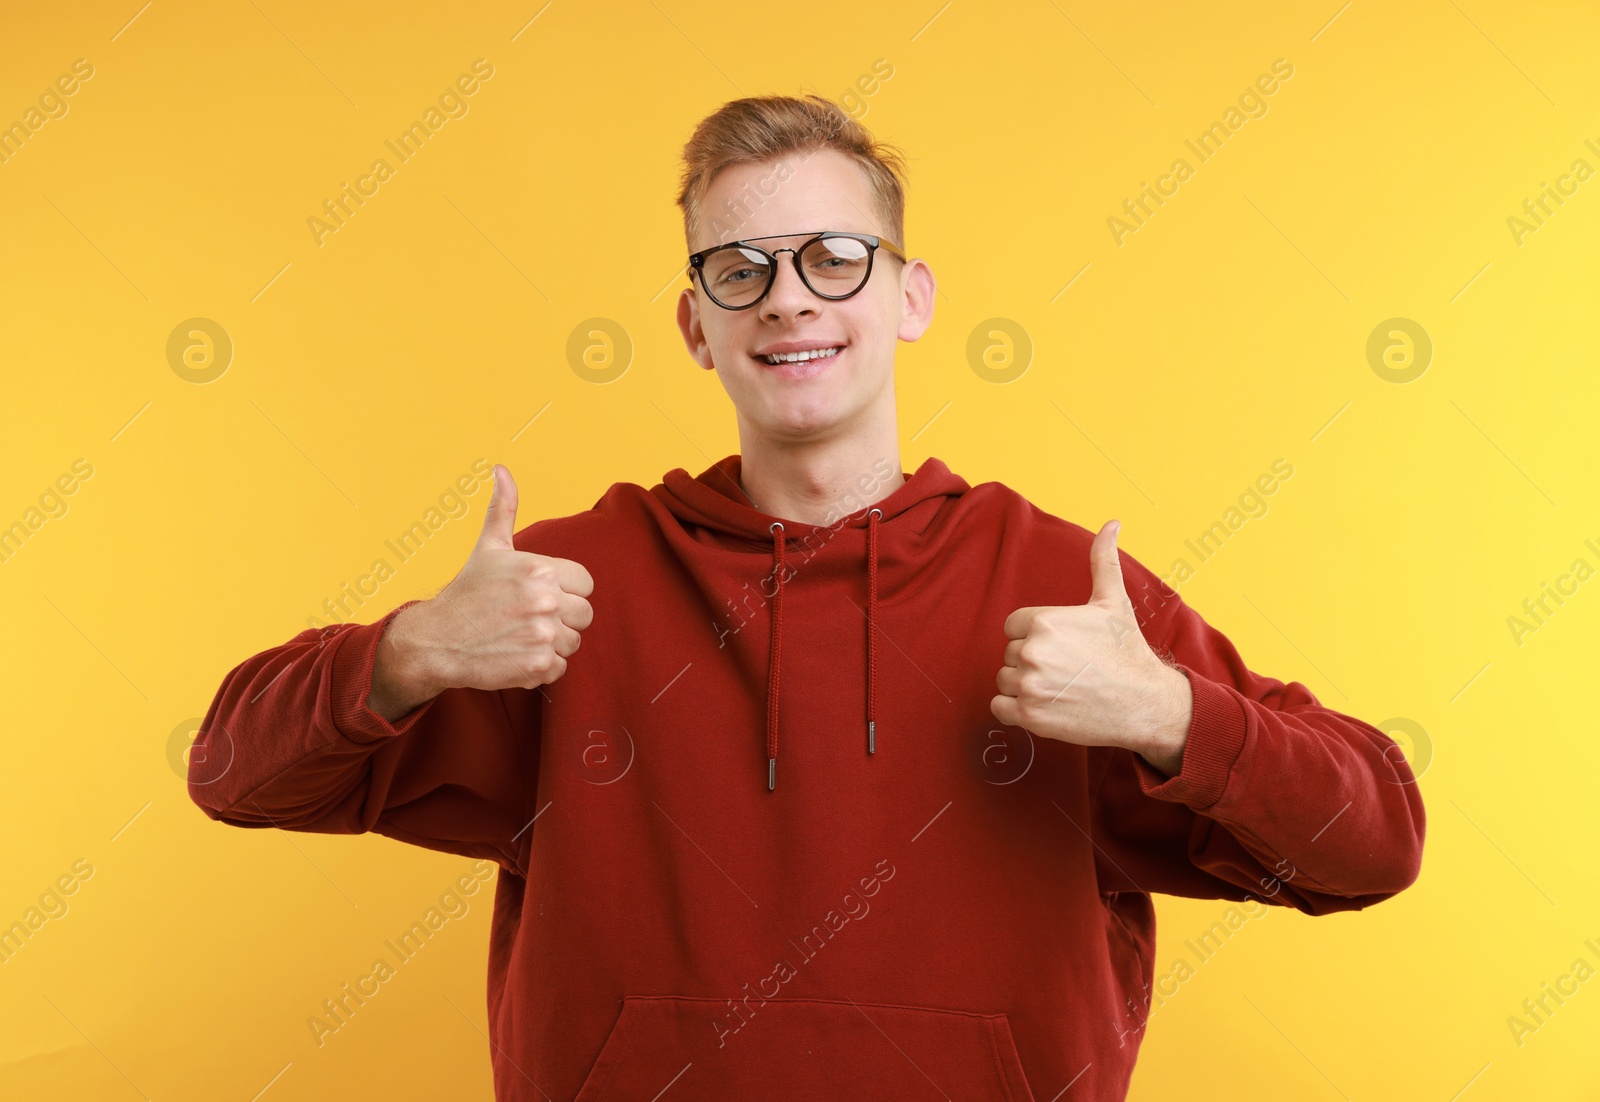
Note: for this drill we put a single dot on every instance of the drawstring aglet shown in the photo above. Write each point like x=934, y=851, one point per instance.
x=872, y=736
x=772, y=773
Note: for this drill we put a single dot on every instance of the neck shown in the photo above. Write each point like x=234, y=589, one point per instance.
x=820, y=481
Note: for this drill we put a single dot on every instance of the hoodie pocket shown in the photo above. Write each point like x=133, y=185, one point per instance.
x=803, y=1049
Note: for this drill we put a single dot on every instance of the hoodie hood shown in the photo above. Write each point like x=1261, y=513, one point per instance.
x=715, y=507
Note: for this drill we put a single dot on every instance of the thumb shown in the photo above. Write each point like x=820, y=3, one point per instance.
x=1105, y=568
x=500, y=521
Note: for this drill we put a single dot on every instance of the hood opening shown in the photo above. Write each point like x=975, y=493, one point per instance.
x=715, y=500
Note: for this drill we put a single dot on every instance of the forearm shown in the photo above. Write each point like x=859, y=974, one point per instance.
x=1301, y=787
x=288, y=736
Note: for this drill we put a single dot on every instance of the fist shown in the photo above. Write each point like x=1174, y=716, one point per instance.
x=1084, y=673
x=510, y=619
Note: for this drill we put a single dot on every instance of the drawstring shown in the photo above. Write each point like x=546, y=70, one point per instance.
x=872, y=629
x=774, y=666
x=775, y=527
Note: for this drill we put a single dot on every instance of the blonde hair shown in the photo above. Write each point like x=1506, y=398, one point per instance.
x=765, y=128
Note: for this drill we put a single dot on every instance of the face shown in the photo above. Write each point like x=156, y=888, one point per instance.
x=823, y=398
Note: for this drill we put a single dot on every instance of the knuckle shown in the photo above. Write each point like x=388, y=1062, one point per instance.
x=535, y=595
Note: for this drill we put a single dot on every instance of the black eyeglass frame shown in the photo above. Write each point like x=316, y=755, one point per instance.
x=872, y=241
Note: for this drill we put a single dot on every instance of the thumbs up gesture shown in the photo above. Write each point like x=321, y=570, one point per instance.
x=509, y=620
x=515, y=616
x=1084, y=673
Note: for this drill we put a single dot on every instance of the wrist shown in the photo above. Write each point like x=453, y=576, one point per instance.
x=404, y=671
x=1163, y=749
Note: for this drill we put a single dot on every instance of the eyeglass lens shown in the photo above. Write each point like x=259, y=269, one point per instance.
x=832, y=266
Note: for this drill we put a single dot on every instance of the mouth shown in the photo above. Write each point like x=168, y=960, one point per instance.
x=800, y=364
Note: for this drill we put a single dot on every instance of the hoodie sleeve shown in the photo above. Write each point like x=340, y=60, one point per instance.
x=289, y=742
x=1278, y=797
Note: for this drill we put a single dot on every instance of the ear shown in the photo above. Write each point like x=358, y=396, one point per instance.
x=918, y=289
x=694, y=337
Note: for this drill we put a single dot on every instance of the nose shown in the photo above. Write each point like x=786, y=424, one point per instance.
x=789, y=296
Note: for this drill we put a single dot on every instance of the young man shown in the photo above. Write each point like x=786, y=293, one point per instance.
x=860, y=784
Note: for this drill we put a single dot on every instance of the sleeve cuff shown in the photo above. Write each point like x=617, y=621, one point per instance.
x=1215, y=740
x=355, y=650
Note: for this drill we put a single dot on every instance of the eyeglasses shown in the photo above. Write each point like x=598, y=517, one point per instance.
x=833, y=264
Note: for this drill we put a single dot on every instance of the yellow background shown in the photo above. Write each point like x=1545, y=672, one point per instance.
x=372, y=370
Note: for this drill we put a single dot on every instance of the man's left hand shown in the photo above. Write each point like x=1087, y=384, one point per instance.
x=1084, y=673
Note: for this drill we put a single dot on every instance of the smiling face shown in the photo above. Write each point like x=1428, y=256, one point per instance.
x=826, y=397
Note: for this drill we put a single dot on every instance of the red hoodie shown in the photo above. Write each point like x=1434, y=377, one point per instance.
x=765, y=839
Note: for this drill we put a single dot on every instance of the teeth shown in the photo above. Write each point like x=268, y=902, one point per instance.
x=801, y=357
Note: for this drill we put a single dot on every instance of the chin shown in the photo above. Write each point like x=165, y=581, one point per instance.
x=809, y=419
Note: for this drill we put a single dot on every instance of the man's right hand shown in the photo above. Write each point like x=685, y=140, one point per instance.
x=509, y=620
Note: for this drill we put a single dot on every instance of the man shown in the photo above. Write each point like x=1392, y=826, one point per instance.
x=860, y=783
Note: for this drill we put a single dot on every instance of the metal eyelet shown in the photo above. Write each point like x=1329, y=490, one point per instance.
x=776, y=525
x=877, y=511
